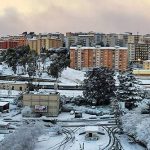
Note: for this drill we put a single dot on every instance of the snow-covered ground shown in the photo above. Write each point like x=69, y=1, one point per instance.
x=68, y=76
x=134, y=122
x=71, y=75
x=138, y=125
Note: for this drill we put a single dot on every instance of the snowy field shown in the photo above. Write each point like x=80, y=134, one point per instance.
x=68, y=76
x=70, y=138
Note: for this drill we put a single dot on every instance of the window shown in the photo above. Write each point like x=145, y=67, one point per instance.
x=20, y=88
x=90, y=134
x=12, y=88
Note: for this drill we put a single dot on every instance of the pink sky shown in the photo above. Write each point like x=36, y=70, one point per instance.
x=17, y=16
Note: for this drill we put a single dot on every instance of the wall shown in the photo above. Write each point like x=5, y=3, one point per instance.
x=51, y=101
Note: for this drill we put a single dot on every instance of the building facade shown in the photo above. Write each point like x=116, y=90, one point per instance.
x=12, y=85
x=142, y=52
x=146, y=64
x=37, y=43
x=12, y=41
x=43, y=104
x=93, y=38
x=91, y=57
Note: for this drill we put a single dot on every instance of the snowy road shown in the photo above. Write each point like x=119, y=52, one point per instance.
x=72, y=140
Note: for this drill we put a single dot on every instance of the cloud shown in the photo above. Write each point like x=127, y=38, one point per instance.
x=69, y=15
x=11, y=22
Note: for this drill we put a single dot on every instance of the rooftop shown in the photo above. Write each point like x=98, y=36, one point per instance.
x=99, y=47
x=91, y=128
x=3, y=103
x=2, y=123
x=146, y=60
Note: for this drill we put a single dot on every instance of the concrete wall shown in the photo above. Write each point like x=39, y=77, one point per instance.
x=52, y=102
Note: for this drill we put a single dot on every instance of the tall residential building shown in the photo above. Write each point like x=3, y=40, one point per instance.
x=12, y=41
x=37, y=43
x=133, y=42
x=90, y=57
x=5, y=44
x=142, y=52
x=79, y=38
x=146, y=39
x=93, y=38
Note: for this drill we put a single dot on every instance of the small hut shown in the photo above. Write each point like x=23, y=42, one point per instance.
x=4, y=127
x=92, y=133
x=78, y=114
x=4, y=106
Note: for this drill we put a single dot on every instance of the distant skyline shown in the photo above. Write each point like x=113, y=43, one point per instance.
x=107, y=16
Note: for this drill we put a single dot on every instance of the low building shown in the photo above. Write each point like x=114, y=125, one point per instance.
x=141, y=72
x=12, y=85
x=4, y=126
x=146, y=64
x=47, y=104
x=91, y=133
x=4, y=106
x=78, y=114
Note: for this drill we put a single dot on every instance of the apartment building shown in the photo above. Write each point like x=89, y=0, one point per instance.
x=79, y=38
x=12, y=41
x=37, y=43
x=133, y=42
x=90, y=57
x=5, y=44
x=141, y=52
x=93, y=38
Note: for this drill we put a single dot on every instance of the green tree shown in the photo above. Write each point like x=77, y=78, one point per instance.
x=19, y=56
x=99, y=86
x=129, y=90
x=60, y=60
x=10, y=57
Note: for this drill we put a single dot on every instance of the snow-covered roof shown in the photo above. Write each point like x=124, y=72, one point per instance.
x=86, y=35
x=98, y=47
x=2, y=123
x=34, y=38
x=91, y=129
x=146, y=61
x=13, y=92
x=13, y=82
x=44, y=92
x=70, y=93
x=141, y=71
x=3, y=103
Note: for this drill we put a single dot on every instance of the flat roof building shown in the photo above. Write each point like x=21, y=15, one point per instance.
x=91, y=57
x=47, y=104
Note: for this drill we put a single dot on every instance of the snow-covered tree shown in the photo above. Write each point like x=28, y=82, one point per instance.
x=60, y=60
x=130, y=120
x=23, y=138
x=99, y=86
x=19, y=56
x=57, y=129
x=137, y=125
x=26, y=112
x=143, y=132
x=129, y=90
